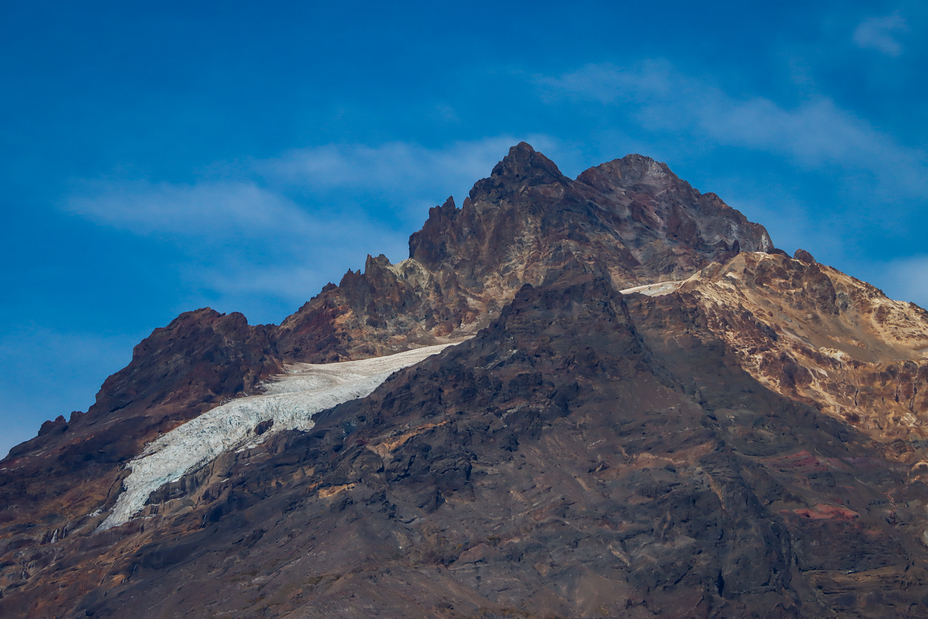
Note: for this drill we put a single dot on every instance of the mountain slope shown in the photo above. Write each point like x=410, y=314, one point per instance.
x=74, y=467
x=737, y=434
x=830, y=340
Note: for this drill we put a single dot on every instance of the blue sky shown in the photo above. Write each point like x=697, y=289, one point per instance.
x=160, y=157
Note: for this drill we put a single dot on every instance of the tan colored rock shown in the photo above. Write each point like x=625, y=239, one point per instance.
x=814, y=334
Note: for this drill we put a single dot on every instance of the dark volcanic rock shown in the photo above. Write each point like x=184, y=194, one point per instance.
x=803, y=256
x=586, y=455
x=200, y=356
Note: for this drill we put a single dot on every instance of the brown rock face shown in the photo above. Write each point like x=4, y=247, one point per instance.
x=813, y=334
x=588, y=454
x=739, y=433
x=631, y=220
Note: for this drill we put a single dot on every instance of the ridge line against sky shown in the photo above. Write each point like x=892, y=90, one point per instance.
x=159, y=159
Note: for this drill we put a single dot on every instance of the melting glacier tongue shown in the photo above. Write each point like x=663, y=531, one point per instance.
x=290, y=400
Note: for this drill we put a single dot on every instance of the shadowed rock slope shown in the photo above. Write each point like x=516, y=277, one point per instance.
x=586, y=455
x=747, y=443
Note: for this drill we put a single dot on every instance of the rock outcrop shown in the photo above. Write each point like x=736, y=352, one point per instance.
x=816, y=335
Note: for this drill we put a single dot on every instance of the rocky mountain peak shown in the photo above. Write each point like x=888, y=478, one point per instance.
x=522, y=168
x=372, y=263
x=630, y=172
x=636, y=407
x=803, y=256
x=636, y=168
x=524, y=163
x=526, y=223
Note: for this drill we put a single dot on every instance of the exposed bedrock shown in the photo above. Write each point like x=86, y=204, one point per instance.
x=588, y=454
x=288, y=402
x=819, y=336
x=631, y=220
x=180, y=371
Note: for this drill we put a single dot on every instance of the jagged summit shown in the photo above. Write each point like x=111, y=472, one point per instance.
x=803, y=256
x=640, y=409
x=634, y=169
x=522, y=225
x=522, y=167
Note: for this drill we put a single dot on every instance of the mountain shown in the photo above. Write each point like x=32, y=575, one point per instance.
x=631, y=220
x=602, y=397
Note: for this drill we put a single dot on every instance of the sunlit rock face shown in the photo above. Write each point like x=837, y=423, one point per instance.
x=648, y=411
x=816, y=335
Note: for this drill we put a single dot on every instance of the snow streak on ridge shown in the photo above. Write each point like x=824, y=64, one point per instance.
x=289, y=400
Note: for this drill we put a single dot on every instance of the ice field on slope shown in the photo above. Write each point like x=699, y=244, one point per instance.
x=655, y=290
x=290, y=400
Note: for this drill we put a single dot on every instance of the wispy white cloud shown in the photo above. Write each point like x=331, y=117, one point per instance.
x=813, y=134
x=245, y=248
x=292, y=278
x=878, y=33
x=399, y=173
x=207, y=210
x=609, y=83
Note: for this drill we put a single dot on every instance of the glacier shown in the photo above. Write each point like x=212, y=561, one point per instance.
x=289, y=400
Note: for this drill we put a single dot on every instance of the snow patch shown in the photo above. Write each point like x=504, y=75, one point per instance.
x=289, y=400
x=655, y=290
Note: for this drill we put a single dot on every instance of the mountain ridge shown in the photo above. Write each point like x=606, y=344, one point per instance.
x=524, y=220
x=649, y=411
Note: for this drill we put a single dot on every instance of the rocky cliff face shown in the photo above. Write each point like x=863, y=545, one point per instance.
x=631, y=221
x=815, y=335
x=650, y=412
